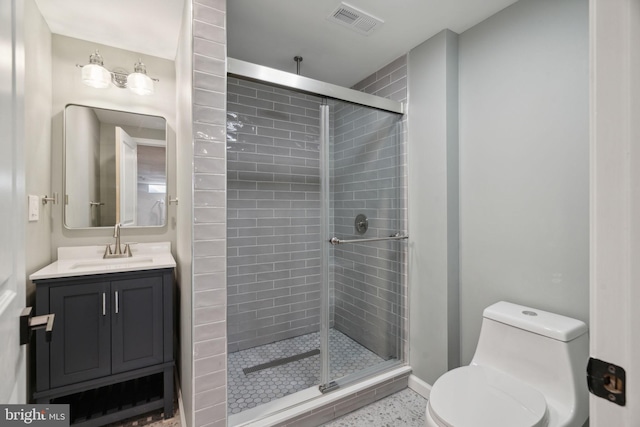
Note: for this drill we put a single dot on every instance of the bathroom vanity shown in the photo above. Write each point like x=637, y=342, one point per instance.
x=111, y=353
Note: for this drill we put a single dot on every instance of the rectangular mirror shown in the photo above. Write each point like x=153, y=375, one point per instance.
x=115, y=168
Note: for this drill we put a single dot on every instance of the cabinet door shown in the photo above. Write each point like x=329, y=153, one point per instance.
x=80, y=344
x=136, y=323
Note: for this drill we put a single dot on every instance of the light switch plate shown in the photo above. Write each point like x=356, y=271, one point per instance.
x=34, y=208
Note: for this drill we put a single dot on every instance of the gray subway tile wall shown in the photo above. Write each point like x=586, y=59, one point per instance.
x=209, y=230
x=273, y=247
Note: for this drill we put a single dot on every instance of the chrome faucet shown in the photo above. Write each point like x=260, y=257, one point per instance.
x=117, y=252
x=116, y=234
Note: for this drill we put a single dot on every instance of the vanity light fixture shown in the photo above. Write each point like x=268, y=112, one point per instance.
x=138, y=81
x=95, y=74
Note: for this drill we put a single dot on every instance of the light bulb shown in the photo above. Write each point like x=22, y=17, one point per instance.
x=94, y=74
x=138, y=81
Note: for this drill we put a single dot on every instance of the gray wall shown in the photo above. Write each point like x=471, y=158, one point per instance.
x=524, y=162
x=273, y=226
x=37, y=135
x=433, y=206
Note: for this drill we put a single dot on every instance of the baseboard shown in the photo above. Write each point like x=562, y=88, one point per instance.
x=419, y=386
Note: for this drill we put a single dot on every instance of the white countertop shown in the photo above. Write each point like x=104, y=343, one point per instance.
x=87, y=260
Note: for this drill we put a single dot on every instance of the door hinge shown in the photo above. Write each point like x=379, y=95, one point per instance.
x=607, y=380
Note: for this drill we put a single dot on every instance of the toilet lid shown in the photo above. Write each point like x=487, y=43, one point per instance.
x=476, y=396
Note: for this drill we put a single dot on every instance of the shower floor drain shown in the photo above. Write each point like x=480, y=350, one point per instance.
x=278, y=362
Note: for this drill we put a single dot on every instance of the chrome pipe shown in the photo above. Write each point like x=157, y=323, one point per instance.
x=336, y=241
x=298, y=60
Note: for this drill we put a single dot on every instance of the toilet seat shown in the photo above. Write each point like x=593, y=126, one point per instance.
x=476, y=396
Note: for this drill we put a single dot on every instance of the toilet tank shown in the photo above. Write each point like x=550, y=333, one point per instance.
x=545, y=350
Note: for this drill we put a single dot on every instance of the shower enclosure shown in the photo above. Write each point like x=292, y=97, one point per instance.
x=316, y=229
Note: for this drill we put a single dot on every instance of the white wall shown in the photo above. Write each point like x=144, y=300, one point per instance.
x=84, y=130
x=37, y=103
x=184, y=249
x=433, y=206
x=68, y=89
x=524, y=162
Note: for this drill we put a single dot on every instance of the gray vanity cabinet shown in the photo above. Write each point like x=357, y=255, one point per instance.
x=109, y=329
x=81, y=339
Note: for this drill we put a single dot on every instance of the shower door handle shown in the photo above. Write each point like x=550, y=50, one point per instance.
x=397, y=236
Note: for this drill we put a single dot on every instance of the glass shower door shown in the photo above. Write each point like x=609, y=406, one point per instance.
x=301, y=312
x=274, y=277
x=364, y=218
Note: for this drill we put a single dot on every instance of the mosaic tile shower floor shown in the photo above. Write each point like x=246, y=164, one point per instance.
x=247, y=391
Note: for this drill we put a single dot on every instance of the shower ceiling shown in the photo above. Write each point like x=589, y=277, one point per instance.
x=272, y=32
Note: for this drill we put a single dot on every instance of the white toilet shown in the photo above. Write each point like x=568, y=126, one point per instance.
x=529, y=370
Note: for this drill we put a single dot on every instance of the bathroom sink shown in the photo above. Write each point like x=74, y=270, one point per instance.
x=87, y=260
x=112, y=263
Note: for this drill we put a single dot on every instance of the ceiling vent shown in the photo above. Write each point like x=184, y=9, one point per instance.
x=355, y=19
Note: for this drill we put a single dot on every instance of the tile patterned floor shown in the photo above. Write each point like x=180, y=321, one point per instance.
x=403, y=409
x=247, y=391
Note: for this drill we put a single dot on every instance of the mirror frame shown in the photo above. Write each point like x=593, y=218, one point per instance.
x=64, y=170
